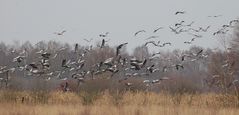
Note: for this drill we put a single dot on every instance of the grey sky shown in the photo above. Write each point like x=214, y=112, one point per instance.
x=36, y=20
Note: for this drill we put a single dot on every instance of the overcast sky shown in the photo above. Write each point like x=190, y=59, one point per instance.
x=37, y=20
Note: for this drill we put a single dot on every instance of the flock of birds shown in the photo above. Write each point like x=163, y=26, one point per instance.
x=131, y=67
x=184, y=27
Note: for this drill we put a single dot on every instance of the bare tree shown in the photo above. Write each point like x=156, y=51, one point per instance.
x=141, y=52
x=235, y=40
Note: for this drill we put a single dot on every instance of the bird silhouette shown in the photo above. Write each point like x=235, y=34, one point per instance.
x=215, y=16
x=156, y=30
x=179, y=24
x=174, y=30
x=46, y=55
x=102, y=43
x=119, y=47
x=140, y=31
x=109, y=61
x=151, y=37
x=137, y=64
x=64, y=64
x=233, y=21
x=154, y=54
x=19, y=59
x=190, y=42
x=60, y=33
x=164, y=44
x=151, y=42
x=150, y=68
x=76, y=47
x=104, y=35
x=204, y=30
x=180, y=12
x=195, y=30
x=196, y=35
x=88, y=40
x=187, y=42
x=33, y=65
x=178, y=66
x=198, y=53
x=190, y=24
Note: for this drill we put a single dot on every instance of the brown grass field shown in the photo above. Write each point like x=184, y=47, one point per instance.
x=127, y=103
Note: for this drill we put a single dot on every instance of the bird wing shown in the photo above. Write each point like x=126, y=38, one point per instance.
x=86, y=40
x=157, y=29
x=63, y=62
x=63, y=31
x=199, y=52
x=103, y=43
x=139, y=32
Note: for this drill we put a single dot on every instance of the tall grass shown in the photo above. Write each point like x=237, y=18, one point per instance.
x=117, y=103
